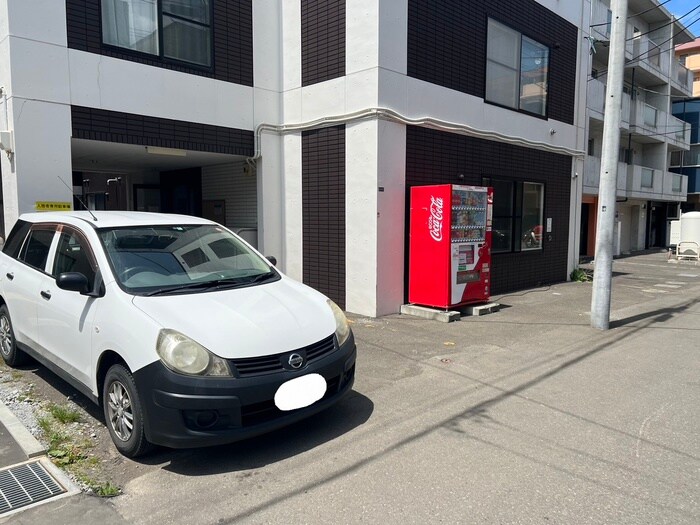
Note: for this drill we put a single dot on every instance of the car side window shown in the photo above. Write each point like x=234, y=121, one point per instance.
x=16, y=238
x=35, y=251
x=72, y=255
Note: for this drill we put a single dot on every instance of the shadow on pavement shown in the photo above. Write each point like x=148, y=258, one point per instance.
x=349, y=413
x=655, y=316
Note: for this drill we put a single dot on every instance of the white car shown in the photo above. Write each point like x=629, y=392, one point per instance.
x=183, y=333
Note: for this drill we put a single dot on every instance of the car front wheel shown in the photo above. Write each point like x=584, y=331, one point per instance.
x=123, y=412
x=12, y=355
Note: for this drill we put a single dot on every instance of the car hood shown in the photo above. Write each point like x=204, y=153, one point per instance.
x=246, y=322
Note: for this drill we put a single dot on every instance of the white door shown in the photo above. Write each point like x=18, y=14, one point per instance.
x=65, y=318
x=22, y=284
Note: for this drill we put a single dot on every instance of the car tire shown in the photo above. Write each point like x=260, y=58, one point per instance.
x=123, y=412
x=12, y=355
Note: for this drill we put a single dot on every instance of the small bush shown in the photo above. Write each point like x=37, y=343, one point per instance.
x=64, y=414
x=580, y=276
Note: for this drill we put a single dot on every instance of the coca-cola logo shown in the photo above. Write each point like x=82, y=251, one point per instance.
x=435, y=219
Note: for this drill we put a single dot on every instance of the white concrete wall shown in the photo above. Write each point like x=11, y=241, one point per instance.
x=34, y=78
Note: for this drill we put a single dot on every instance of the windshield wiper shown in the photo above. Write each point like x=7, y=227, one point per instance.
x=188, y=286
x=219, y=284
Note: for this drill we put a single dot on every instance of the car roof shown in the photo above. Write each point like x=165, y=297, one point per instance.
x=113, y=219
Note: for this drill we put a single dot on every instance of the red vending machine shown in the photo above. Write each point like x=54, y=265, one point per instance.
x=450, y=245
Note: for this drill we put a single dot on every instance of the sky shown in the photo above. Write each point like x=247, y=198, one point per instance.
x=681, y=7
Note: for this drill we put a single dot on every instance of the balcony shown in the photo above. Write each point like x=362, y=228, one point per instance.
x=591, y=176
x=650, y=57
x=681, y=78
x=596, y=103
x=677, y=132
x=652, y=184
x=651, y=125
x=601, y=21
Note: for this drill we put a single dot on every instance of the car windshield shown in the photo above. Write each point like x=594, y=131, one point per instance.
x=158, y=260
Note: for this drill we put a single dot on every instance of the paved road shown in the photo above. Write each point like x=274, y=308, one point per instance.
x=524, y=416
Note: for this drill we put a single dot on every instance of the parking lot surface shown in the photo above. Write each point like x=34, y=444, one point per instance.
x=527, y=415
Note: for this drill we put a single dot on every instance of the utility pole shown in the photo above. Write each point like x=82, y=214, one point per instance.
x=602, y=276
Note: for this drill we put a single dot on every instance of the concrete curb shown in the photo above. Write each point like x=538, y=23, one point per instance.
x=28, y=443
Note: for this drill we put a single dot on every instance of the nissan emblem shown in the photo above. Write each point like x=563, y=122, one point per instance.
x=295, y=360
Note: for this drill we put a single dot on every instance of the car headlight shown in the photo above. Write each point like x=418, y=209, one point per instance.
x=181, y=354
x=342, y=328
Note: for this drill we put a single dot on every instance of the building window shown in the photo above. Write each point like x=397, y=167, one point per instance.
x=518, y=210
x=676, y=158
x=516, y=70
x=591, y=147
x=647, y=178
x=692, y=157
x=682, y=59
x=174, y=29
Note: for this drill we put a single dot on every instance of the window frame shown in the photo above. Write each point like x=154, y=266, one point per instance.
x=160, y=56
x=50, y=227
x=516, y=213
x=85, y=245
x=545, y=114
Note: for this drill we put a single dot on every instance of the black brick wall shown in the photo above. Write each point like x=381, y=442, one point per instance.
x=128, y=128
x=435, y=157
x=322, y=40
x=232, y=35
x=323, y=211
x=447, y=45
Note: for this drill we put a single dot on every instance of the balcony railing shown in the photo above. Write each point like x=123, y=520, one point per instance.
x=659, y=126
x=677, y=131
x=675, y=186
x=591, y=176
x=651, y=55
x=654, y=184
x=681, y=77
x=596, y=101
x=601, y=20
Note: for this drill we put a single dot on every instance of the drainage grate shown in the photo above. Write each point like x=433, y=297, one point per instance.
x=26, y=484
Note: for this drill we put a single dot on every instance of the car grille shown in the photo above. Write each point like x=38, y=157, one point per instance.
x=254, y=366
x=258, y=413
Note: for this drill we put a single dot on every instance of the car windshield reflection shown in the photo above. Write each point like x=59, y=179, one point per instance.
x=157, y=260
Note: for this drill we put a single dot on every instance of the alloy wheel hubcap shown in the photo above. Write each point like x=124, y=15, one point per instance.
x=121, y=416
x=5, y=336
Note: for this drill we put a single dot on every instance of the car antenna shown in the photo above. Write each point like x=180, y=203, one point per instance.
x=79, y=199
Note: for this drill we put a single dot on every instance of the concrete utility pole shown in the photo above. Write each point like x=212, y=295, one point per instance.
x=602, y=276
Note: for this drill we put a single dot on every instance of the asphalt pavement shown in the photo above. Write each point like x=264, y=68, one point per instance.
x=527, y=415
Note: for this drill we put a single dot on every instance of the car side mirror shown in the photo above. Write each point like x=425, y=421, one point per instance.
x=272, y=259
x=73, y=282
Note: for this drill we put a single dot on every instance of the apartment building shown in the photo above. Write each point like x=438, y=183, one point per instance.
x=648, y=193
x=304, y=123
x=689, y=55
x=688, y=109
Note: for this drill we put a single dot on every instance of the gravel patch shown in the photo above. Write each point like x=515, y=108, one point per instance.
x=18, y=397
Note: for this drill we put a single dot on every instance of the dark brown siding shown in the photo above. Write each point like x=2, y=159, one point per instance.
x=322, y=40
x=435, y=157
x=323, y=211
x=128, y=128
x=447, y=45
x=232, y=34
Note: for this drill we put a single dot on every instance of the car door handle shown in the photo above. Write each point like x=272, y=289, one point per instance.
x=46, y=295
x=10, y=276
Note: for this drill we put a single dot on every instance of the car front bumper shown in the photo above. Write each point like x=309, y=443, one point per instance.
x=184, y=411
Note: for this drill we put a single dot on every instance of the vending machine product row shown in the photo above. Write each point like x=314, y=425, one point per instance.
x=450, y=245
